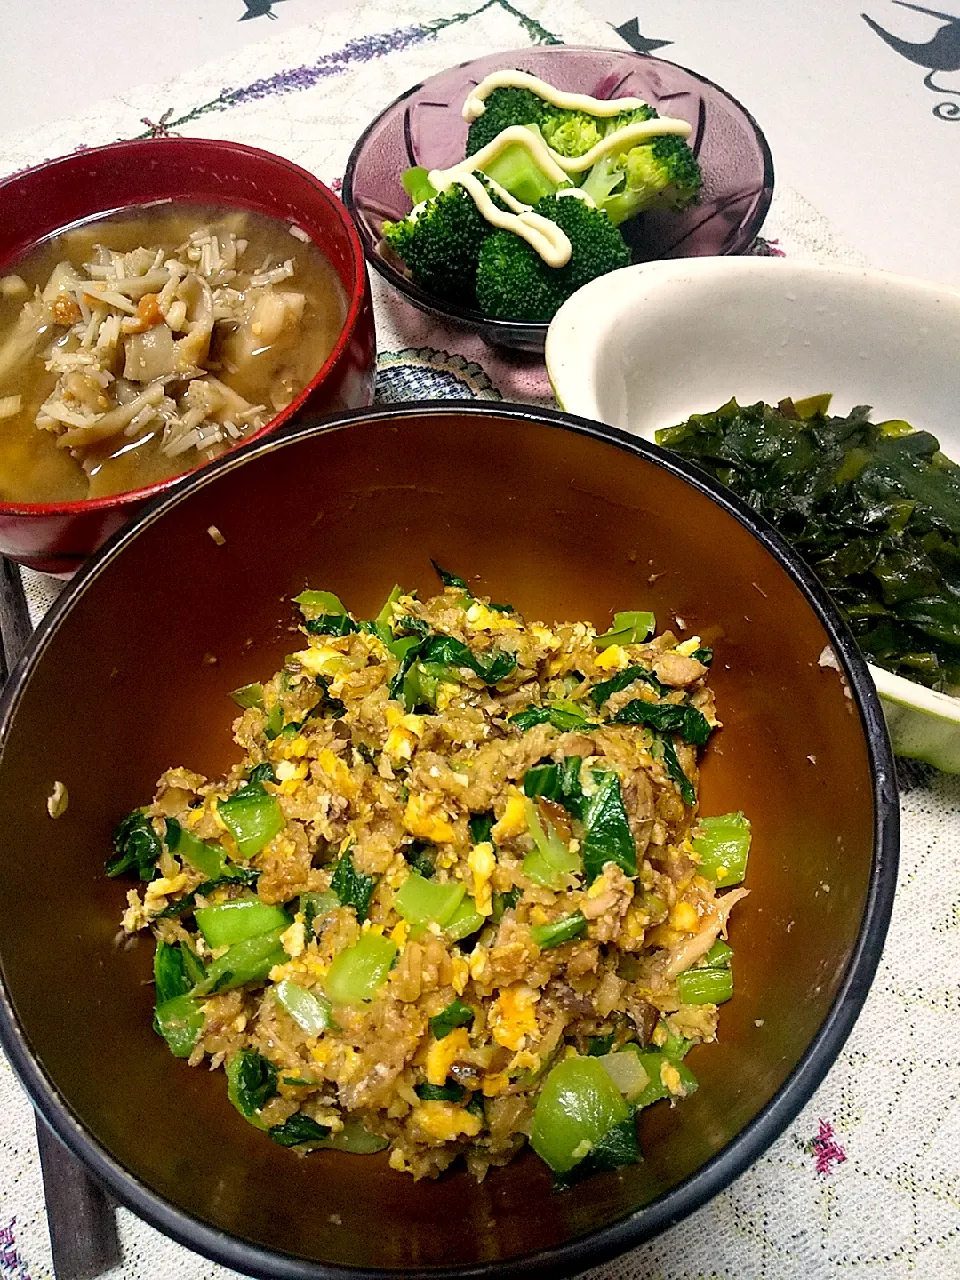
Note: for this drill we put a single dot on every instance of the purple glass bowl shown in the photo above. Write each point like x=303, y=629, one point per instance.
x=424, y=127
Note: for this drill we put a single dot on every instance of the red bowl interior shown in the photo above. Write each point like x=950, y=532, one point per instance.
x=38, y=202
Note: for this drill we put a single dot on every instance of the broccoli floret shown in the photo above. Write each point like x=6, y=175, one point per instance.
x=513, y=281
x=569, y=133
x=572, y=133
x=639, y=116
x=440, y=243
x=661, y=174
x=669, y=165
x=502, y=108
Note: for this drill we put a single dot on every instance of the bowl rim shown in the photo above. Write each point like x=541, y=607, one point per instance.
x=467, y=316
x=356, y=299
x=908, y=693
x=696, y=1190
x=574, y=329
x=565, y=326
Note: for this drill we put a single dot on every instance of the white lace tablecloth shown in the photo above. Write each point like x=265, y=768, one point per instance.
x=867, y=1180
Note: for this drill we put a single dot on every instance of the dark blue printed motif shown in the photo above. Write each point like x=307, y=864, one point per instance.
x=630, y=31
x=258, y=9
x=425, y=374
x=940, y=53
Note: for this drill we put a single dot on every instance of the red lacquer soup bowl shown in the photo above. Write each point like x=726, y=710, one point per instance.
x=57, y=536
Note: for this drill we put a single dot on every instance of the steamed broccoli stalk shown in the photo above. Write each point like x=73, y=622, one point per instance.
x=513, y=281
x=416, y=183
x=514, y=169
x=517, y=171
x=660, y=174
x=440, y=242
x=502, y=108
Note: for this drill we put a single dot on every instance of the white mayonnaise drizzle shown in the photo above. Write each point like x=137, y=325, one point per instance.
x=510, y=78
x=543, y=236
x=547, y=161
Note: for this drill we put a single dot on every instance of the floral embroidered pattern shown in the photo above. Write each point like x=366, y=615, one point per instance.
x=762, y=248
x=363, y=49
x=826, y=1149
x=12, y=1266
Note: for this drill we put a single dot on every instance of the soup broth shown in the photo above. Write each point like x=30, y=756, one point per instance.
x=136, y=346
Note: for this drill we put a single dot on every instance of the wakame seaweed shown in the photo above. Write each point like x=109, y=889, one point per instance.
x=873, y=508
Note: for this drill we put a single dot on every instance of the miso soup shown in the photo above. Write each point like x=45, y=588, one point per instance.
x=135, y=347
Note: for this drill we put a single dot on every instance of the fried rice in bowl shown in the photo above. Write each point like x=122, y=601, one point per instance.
x=317, y=806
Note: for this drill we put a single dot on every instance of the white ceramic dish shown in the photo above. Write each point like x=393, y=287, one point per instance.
x=645, y=347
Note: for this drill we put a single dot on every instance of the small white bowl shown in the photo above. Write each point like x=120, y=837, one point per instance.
x=645, y=347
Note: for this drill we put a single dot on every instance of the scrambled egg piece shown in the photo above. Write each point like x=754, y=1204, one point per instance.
x=461, y=973
x=445, y=695
x=482, y=864
x=689, y=647
x=340, y=776
x=159, y=888
x=324, y=661
x=293, y=940
x=290, y=775
x=514, y=820
x=684, y=918
x=442, y=1054
x=611, y=659
x=670, y=1079
x=321, y=1052
x=480, y=618
x=289, y=969
x=290, y=748
x=424, y=818
x=399, y=1161
x=635, y=922
x=135, y=917
x=495, y=1084
x=513, y=1016
x=546, y=637
x=525, y=1060
x=445, y=1122
x=404, y=734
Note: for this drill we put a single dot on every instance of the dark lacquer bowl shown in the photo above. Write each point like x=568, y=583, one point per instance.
x=425, y=127
x=34, y=204
x=566, y=519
